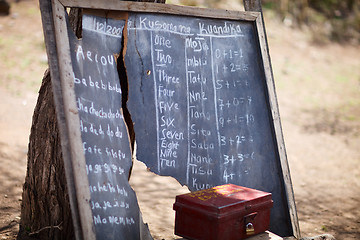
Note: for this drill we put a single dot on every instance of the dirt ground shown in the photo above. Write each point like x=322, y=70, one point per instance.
x=318, y=88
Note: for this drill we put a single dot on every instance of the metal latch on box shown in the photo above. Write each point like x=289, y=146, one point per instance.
x=249, y=226
x=250, y=229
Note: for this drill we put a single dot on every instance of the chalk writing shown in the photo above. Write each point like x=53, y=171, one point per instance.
x=104, y=134
x=104, y=168
x=114, y=220
x=97, y=84
x=93, y=57
x=213, y=132
x=216, y=29
x=108, y=205
x=88, y=106
x=102, y=26
x=108, y=187
x=158, y=25
x=98, y=129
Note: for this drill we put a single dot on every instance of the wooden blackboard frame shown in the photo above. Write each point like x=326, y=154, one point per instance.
x=58, y=49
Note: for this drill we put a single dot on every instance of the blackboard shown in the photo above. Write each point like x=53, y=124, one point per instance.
x=104, y=134
x=200, y=95
x=198, y=98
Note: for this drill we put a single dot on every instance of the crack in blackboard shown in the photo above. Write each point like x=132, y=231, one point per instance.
x=124, y=84
x=142, y=68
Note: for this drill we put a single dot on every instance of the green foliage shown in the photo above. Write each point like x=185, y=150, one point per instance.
x=324, y=6
x=324, y=228
x=341, y=16
x=269, y=5
x=335, y=8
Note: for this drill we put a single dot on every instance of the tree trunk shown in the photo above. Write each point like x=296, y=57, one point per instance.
x=45, y=210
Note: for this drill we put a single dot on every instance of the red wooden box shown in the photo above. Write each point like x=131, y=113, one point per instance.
x=226, y=212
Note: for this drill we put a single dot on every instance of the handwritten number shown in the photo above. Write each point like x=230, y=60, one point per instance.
x=108, y=29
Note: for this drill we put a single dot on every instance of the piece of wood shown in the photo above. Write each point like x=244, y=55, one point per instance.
x=155, y=8
x=265, y=236
x=278, y=130
x=51, y=47
x=252, y=5
x=255, y=5
x=73, y=137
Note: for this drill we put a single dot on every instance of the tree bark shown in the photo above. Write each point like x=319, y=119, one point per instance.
x=45, y=210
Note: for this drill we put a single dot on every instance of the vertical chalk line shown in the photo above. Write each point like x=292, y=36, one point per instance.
x=188, y=118
x=215, y=103
x=156, y=103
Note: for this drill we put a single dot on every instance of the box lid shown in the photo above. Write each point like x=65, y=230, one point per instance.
x=224, y=199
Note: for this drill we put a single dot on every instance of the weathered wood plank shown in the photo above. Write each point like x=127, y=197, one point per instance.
x=161, y=8
x=72, y=120
x=266, y=236
x=255, y=5
x=252, y=5
x=51, y=48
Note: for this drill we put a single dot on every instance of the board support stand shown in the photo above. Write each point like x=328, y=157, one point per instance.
x=252, y=5
x=255, y=6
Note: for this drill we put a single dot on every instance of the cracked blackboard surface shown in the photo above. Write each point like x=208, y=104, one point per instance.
x=198, y=100
x=106, y=145
x=195, y=94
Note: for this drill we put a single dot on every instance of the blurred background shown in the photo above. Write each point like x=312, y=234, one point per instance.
x=315, y=52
